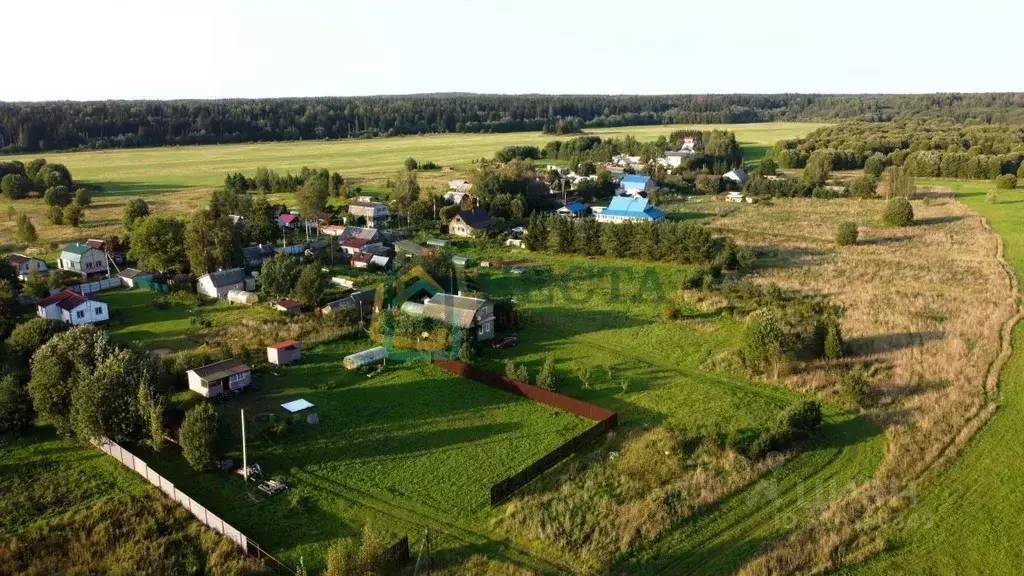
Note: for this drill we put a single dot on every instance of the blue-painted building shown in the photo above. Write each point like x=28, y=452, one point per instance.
x=635, y=184
x=574, y=210
x=629, y=209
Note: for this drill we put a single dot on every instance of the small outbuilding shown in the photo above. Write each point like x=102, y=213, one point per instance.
x=287, y=305
x=215, y=379
x=129, y=276
x=242, y=297
x=284, y=352
x=365, y=358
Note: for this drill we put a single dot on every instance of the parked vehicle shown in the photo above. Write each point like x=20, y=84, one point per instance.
x=506, y=342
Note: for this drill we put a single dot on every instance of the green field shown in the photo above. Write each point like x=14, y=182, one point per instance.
x=968, y=520
x=416, y=442
x=177, y=180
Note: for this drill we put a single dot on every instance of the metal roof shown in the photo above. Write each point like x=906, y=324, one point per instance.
x=221, y=369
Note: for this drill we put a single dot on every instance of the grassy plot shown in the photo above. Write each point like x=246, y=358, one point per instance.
x=414, y=446
x=67, y=508
x=177, y=180
x=134, y=317
x=967, y=521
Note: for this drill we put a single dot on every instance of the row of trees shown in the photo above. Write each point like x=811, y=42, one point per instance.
x=681, y=242
x=26, y=127
x=715, y=150
x=269, y=180
x=935, y=148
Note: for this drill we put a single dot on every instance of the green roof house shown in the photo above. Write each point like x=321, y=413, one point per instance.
x=83, y=259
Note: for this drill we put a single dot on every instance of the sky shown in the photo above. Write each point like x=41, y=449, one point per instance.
x=155, y=49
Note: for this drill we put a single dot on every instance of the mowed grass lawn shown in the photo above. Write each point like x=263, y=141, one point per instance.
x=178, y=180
x=414, y=446
x=968, y=521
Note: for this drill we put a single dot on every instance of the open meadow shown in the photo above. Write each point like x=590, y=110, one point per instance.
x=178, y=180
x=965, y=521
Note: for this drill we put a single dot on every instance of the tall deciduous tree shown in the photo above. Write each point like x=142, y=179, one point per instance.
x=104, y=401
x=198, y=435
x=59, y=365
x=211, y=242
x=134, y=210
x=262, y=227
x=310, y=286
x=407, y=187
x=278, y=275
x=819, y=167
x=158, y=243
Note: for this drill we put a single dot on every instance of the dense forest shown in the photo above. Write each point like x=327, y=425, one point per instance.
x=930, y=148
x=30, y=127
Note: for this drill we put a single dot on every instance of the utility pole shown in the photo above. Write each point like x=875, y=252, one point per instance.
x=245, y=458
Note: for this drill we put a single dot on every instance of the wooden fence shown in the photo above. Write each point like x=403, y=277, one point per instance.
x=167, y=487
x=604, y=418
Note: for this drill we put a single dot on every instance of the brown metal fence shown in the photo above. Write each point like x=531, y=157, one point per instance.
x=605, y=420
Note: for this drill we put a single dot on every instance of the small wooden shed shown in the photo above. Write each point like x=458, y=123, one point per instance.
x=284, y=352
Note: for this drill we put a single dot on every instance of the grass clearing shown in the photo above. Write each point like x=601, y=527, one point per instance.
x=178, y=180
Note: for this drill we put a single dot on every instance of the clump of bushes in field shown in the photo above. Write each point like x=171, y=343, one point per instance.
x=796, y=424
x=366, y=554
x=846, y=234
x=782, y=326
x=1006, y=182
x=633, y=489
x=407, y=331
x=898, y=212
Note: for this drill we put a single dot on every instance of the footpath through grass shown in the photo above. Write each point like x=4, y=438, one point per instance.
x=968, y=521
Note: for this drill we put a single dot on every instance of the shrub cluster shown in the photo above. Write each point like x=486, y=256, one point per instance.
x=797, y=423
x=898, y=213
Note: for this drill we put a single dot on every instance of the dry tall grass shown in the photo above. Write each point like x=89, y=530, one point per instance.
x=927, y=307
x=628, y=493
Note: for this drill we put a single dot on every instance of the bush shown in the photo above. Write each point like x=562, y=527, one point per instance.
x=546, y=376
x=854, y=387
x=1006, y=182
x=197, y=435
x=14, y=186
x=83, y=197
x=846, y=234
x=833, y=340
x=26, y=230
x=517, y=372
x=56, y=215
x=57, y=196
x=73, y=215
x=411, y=164
x=29, y=336
x=16, y=413
x=898, y=212
x=763, y=337
x=864, y=187
x=991, y=197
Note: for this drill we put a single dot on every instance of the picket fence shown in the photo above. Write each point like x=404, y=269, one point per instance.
x=202, y=514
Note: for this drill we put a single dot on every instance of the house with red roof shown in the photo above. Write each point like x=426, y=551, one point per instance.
x=72, y=308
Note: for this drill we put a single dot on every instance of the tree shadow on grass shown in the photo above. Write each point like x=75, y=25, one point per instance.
x=881, y=343
x=124, y=189
x=938, y=220
x=883, y=240
x=787, y=257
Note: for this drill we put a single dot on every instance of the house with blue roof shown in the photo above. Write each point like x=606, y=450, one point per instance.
x=629, y=209
x=573, y=210
x=635, y=185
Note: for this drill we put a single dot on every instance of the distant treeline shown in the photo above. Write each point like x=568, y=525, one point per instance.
x=931, y=148
x=28, y=127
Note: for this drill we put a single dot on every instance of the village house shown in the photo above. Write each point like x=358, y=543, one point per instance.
x=469, y=223
x=72, y=308
x=218, y=284
x=463, y=186
x=573, y=210
x=409, y=248
x=220, y=377
x=461, y=199
x=629, y=209
x=83, y=259
x=371, y=212
x=472, y=314
x=635, y=185
x=287, y=305
x=284, y=352
x=360, y=302
x=255, y=256
x=737, y=176
x=25, y=265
